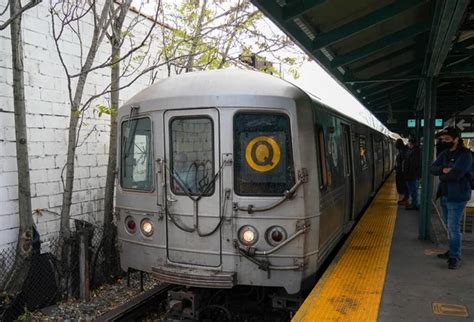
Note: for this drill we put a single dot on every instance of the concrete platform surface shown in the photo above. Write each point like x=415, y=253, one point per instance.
x=416, y=278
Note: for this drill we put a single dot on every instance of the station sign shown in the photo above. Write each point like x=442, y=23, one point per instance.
x=411, y=123
x=464, y=124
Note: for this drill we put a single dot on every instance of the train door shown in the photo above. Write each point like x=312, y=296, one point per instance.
x=383, y=144
x=348, y=173
x=374, y=162
x=192, y=190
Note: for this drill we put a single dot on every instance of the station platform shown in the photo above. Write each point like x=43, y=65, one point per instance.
x=384, y=273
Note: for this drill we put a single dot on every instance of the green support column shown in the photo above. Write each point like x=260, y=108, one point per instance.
x=418, y=126
x=428, y=149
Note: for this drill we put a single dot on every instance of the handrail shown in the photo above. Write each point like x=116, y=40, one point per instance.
x=288, y=194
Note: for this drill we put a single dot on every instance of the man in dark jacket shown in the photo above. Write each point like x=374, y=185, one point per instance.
x=412, y=172
x=402, y=188
x=453, y=167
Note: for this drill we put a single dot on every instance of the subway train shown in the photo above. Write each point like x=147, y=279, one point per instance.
x=235, y=177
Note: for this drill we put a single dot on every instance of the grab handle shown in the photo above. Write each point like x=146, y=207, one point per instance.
x=160, y=184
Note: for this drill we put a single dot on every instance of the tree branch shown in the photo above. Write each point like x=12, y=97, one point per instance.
x=29, y=5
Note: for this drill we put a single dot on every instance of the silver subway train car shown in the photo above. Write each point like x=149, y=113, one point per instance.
x=239, y=178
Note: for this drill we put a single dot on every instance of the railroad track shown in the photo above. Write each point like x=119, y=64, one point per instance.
x=137, y=306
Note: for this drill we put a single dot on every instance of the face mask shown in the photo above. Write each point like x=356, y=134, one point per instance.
x=446, y=145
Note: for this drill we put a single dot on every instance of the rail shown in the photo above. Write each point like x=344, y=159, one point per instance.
x=136, y=306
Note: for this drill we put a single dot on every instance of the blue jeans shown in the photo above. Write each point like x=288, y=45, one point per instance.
x=413, y=191
x=452, y=213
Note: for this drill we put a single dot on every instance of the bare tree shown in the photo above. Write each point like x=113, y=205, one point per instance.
x=116, y=41
x=69, y=15
x=25, y=235
x=197, y=34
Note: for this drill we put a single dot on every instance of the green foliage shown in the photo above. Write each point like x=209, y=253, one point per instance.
x=104, y=109
x=138, y=58
x=26, y=315
x=228, y=29
x=294, y=72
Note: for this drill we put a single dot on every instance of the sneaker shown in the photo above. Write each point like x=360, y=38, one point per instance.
x=403, y=202
x=444, y=255
x=454, y=263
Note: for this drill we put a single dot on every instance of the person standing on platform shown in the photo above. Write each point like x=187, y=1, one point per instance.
x=402, y=188
x=453, y=166
x=412, y=172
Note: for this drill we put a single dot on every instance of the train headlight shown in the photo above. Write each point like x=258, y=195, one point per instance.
x=248, y=235
x=146, y=227
x=275, y=235
x=130, y=225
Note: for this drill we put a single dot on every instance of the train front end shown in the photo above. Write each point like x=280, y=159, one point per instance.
x=211, y=187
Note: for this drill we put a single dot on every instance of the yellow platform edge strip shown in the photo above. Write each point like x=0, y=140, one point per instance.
x=351, y=288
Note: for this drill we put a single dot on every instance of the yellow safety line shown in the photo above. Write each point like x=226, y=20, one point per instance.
x=351, y=288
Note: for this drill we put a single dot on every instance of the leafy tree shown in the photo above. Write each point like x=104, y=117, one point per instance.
x=218, y=35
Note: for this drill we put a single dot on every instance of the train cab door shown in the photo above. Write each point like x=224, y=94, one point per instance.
x=348, y=173
x=193, y=187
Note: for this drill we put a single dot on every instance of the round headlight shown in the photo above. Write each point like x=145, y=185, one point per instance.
x=146, y=227
x=248, y=235
x=275, y=235
x=130, y=225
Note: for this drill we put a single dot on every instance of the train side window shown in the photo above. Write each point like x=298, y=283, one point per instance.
x=192, y=155
x=136, y=159
x=363, y=152
x=263, y=154
x=323, y=170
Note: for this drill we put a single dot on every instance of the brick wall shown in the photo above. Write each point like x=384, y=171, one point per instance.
x=48, y=119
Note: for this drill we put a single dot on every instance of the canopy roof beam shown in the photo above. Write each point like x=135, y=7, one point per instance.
x=380, y=44
x=363, y=23
x=383, y=88
x=389, y=100
x=383, y=59
x=405, y=92
x=296, y=8
x=447, y=19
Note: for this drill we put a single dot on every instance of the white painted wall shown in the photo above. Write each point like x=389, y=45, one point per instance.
x=48, y=119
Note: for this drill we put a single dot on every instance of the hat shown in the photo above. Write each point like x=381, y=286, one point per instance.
x=451, y=131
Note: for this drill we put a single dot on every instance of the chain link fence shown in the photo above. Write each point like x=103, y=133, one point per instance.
x=60, y=268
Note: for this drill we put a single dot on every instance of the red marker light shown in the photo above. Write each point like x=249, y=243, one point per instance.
x=130, y=224
x=277, y=236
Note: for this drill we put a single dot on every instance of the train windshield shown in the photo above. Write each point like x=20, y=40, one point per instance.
x=136, y=162
x=262, y=153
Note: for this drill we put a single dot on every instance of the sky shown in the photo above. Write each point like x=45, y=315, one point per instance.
x=313, y=78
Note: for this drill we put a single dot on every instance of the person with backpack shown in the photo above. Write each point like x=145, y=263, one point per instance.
x=453, y=166
x=412, y=172
x=401, y=184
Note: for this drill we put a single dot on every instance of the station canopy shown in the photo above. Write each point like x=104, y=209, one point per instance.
x=383, y=51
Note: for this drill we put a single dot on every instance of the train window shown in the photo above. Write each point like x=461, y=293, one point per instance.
x=136, y=161
x=262, y=151
x=323, y=168
x=192, y=155
x=363, y=152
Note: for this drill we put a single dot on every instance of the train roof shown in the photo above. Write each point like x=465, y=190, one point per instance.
x=218, y=84
x=227, y=87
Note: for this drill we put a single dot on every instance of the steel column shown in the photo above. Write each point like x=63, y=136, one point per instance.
x=418, y=126
x=428, y=149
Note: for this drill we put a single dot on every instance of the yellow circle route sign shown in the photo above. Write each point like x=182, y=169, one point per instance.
x=262, y=153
